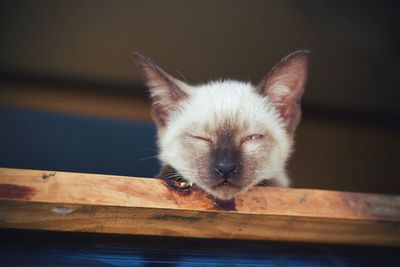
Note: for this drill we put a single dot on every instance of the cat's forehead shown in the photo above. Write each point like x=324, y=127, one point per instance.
x=223, y=92
x=228, y=104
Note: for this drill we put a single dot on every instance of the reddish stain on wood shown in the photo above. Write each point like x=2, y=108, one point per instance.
x=14, y=191
x=183, y=191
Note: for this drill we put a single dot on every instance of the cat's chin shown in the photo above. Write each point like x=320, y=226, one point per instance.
x=225, y=191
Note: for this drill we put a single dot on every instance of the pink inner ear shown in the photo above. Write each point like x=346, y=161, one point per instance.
x=165, y=90
x=284, y=86
x=291, y=73
x=159, y=114
x=291, y=114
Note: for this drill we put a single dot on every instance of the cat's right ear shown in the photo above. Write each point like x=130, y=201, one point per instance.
x=284, y=87
x=165, y=90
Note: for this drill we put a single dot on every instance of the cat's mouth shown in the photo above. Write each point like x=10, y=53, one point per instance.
x=225, y=184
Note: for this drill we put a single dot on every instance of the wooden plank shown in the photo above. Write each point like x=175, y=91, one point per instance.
x=48, y=200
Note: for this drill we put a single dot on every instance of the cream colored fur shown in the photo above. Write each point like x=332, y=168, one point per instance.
x=214, y=103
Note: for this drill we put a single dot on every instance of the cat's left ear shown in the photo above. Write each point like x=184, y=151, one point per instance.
x=284, y=87
x=165, y=91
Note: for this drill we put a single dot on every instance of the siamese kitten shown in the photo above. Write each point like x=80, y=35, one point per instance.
x=227, y=136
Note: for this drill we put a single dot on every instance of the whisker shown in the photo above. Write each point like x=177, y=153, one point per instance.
x=151, y=157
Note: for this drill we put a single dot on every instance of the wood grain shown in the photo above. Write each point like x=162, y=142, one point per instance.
x=49, y=200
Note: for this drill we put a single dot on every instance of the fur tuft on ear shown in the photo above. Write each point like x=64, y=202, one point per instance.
x=284, y=87
x=165, y=90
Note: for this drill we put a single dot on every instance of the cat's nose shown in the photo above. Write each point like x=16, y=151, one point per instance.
x=225, y=168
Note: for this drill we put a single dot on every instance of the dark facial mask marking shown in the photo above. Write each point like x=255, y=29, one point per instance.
x=226, y=156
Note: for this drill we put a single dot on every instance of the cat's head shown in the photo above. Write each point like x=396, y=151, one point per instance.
x=227, y=136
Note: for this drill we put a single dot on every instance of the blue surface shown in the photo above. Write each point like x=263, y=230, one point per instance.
x=52, y=141
x=28, y=248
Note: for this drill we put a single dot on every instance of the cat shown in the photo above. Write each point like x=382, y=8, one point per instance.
x=227, y=136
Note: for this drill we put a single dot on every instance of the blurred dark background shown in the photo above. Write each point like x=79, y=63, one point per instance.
x=72, y=99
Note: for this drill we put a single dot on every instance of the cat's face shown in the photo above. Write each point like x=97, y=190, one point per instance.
x=227, y=136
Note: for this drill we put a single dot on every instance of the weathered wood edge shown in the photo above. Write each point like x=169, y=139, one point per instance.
x=113, y=204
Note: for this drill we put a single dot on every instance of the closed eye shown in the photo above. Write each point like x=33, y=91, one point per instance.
x=201, y=138
x=253, y=137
